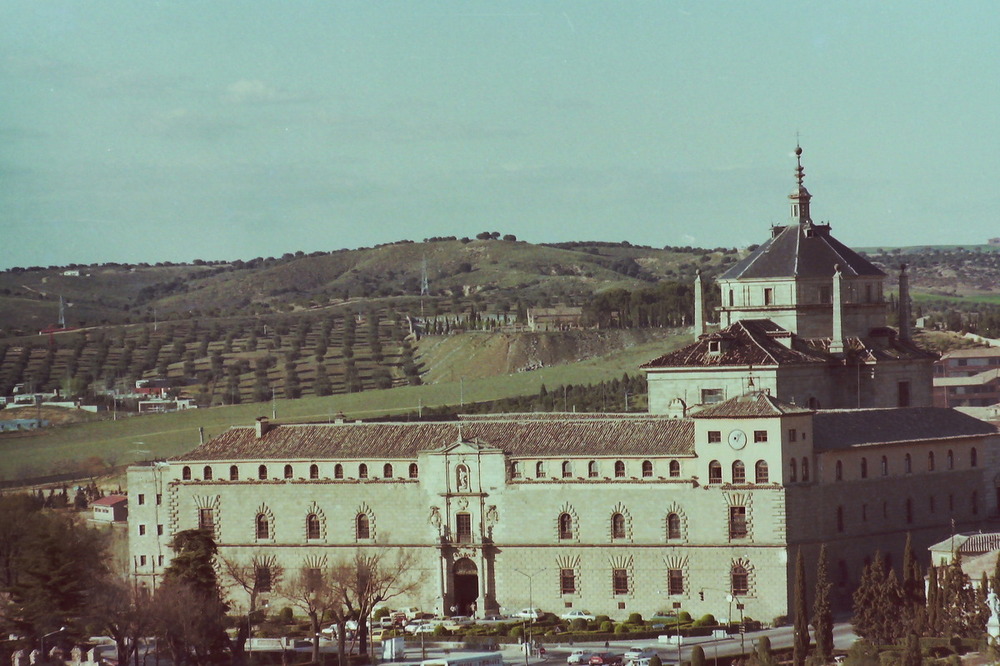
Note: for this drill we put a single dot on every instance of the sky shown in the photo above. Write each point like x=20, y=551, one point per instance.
x=173, y=131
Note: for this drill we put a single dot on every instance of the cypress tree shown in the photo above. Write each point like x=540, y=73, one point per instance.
x=822, y=614
x=801, y=641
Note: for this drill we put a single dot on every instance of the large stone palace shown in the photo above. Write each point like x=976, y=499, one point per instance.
x=804, y=421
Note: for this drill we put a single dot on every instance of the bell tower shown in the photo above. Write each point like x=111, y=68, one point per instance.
x=801, y=197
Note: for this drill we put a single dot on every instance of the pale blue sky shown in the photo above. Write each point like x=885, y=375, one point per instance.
x=151, y=131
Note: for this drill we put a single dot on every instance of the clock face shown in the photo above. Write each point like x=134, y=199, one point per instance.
x=737, y=439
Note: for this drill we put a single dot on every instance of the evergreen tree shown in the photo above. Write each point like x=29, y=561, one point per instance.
x=822, y=614
x=911, y=655
x=932, y=626
x=801, y=637
x=321, y=385
x=877, y=604
x=914, y=606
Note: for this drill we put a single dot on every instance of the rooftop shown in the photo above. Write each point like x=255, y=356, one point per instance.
x=847, y=428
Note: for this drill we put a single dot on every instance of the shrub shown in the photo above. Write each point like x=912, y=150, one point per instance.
x=601, y=619
x=684, y=616
x=607, y=627
x=440, y=630
x=285, y=615
x=578, y=624
x=517, y=631
x=635, y=618
x=621, y=628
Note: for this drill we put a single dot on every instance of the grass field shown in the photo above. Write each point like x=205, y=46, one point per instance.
x=165, y=435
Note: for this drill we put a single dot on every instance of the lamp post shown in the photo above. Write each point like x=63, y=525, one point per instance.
x=531, y=610
x=51, y=633
x=739, y=607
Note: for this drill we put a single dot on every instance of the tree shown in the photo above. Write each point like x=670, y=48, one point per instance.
x=877, y=604
x=801, y=636
x=370, y=579
x=321, y=384
x=933, y=623
x=122, y=611
x=822, y=614
x=914, y=603
x=312, y=591
x=260, y=574
x=911, y=654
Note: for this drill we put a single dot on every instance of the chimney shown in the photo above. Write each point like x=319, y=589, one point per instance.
x=263, y=425
x=201, y=435
x=904, y=304
x=699, y=306
x=837, y=334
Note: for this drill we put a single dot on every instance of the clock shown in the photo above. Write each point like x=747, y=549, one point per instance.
x=737, y=439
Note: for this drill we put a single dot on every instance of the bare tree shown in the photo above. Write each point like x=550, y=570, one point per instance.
x=311, y=590
x=372, y=578
x=123, y=611
x=259, y=575
x=189, y=624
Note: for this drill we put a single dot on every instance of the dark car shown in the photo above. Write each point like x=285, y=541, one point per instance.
x=606, y=659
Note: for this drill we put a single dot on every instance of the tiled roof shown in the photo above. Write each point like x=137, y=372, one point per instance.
x=758, y=342
x=109, y=500
x=979, y=379
x=525, y=436
x=750, y=405
x=801, y=250
x=977, y=544
x=845, y=428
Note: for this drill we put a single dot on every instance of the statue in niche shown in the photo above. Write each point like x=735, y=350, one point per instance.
x=463, y=479
x=435, y=518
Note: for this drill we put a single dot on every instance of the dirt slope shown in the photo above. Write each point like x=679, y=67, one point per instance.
x=477, y=355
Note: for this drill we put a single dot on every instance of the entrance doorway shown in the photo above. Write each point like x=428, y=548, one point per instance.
x=466, y=576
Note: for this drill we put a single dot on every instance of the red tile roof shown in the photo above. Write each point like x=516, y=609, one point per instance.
x=750, y=405
x=109, y=500
x=516, y=435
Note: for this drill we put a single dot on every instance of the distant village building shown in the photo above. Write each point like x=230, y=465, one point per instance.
x=111, y=508
x=558, y=318
x=994, y=241
x=754, y=448
x=968, y=378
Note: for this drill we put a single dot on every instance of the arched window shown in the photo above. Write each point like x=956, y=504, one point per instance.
x=565, y=526
x=288, y=471
x=314, y=471
x=540, y=470
x=387, y=471
x=234, y=473
x=617, y=526
x=739, y=580
x=312, y=526
x=619, y=469
x=186, y=473
x=263, y=527
x=414, y=471
x=715, y=472
x=338, y=471
x=675, y=469
x=262, y=472
x=515, y=469
x=884, y=466
x=793, y=470
x=673, y=526
x=864, y=468
x=907, y=464
x=739, y=472
x=840, y=519
x=362, y=471
x=362, y=527
x=951, y=459
x=838, y=471
x=805, y=470
x=930, y=461
x=207, y=473
x=973, y=457
x=647, y=469
x=760, y=471
x=592, y=469
x=567, y=469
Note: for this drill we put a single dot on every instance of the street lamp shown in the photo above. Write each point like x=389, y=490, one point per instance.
x=739, y=606
x=531, y=611
x=51, y=633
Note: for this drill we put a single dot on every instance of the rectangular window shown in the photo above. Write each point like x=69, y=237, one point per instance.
x=714, y=436
x=737, y=522
x=159, y=530
x=904, y=393
x=675, y=581
x=567, y=581
x=768, y=296
x=463, y=527
x=824, y=295
x=159, y=499
x=793, y=435
x=759, y=436
x=711, y=396
x=206, y=519
x=142, y=530
x=142, y=560
x=619, y=581
x=160, y=560
x=741, y=582
x=262, y=578
x=142, y=499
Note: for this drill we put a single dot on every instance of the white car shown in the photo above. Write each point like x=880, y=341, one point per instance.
x=427, y=628
x=579, y=657
x=528, y=613
x=457, y=622
x=636, y=653
x=578, y=615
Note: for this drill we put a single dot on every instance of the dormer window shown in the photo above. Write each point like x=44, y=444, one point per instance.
x=715, y=346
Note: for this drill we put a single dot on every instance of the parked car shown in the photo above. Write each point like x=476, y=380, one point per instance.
x=635, y=653
x=376, y=635
x=411, y=613
x=579, y=657
x=427, y=628
x=528, y=613
x=605, y=659
x=457, y=622
x=578, y=615
x=492, y=619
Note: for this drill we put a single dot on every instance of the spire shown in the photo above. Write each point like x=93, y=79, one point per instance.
x=800, y=198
